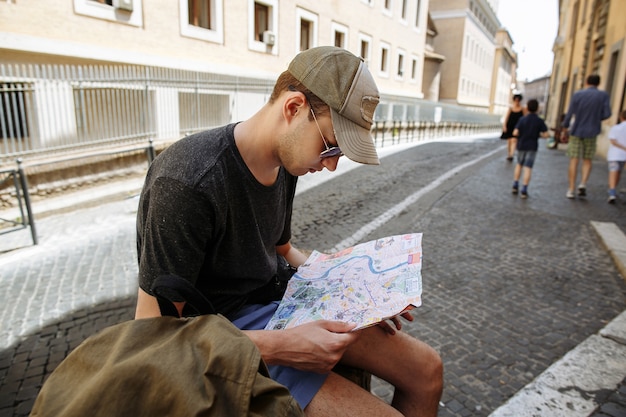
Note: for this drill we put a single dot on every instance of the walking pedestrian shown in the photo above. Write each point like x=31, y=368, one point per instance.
x=588, y=107
x=616, y=155
x=216, y=210
x=515, y=112
x=528, y=130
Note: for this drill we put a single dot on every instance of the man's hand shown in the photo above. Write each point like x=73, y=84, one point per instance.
x=314, y=347
x=396, y=322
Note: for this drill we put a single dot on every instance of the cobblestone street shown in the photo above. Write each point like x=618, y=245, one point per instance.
x=510, y=285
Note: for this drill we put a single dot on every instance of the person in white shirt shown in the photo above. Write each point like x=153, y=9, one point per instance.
x=616, y=155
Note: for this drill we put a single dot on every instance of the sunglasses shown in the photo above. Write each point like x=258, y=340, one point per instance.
x=331, y=151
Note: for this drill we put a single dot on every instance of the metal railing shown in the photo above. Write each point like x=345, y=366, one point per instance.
x=56, y=110
x=19, y=183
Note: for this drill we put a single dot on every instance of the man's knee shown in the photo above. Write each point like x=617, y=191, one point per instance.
x=434, y=367
x=429, y=365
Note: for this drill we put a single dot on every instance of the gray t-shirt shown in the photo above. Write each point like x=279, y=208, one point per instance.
x=204, y=217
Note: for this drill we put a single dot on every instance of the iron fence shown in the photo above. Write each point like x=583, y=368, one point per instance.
x=17, y=180
x=55, y=110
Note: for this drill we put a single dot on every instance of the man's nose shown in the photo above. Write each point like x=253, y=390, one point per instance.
x=331, y=163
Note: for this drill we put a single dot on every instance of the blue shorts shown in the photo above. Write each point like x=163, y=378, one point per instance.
x=616, y=166
x=526, y=158
x=302, y=385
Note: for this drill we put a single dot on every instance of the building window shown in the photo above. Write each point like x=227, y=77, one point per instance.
x=417, y=13
x=307, y=30
x=610, y=80
x=262, y=26
x=261, y=20
x=200, y=14
x=201, y=110
x=572, y=31
x=403, y=11
x=387, y=7
x=16, y=101
x=400, y=72
x=340, y=35
x=340, y=39
x=365, y=47
x=384, y=59
x=130, y=14
x=202, y=19
x=414, y=69
x=93, y=107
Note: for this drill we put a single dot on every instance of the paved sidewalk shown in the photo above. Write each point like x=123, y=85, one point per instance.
x=34, y=303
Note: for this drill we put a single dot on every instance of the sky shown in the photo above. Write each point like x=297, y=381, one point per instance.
x=533, y=26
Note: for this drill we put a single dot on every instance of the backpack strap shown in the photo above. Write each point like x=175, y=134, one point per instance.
x=169, y=289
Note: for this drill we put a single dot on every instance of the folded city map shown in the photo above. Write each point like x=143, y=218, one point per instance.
x=364, y=284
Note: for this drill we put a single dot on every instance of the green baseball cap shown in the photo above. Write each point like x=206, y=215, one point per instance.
x=343, y=81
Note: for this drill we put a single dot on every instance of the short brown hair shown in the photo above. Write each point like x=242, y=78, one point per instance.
x=593, y=79
x=286, y=82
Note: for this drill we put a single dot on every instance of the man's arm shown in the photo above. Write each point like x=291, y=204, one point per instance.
x=570, y=113
x=615, y=143
x=148, y=306
x=544, y=133
x=291, y=254
x=606, y=107
x=316, y=346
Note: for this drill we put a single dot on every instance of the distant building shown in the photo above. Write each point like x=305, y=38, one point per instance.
x=468, y=38
x=504, y=69
x=538, y=89
x=591, y=40
x=432, y=64
x=240, y=38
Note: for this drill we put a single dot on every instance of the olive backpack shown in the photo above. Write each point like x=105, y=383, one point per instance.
x=166, y=366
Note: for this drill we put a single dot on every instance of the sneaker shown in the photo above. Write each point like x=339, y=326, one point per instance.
x=570, y=194
x=523, y=194
x=611, y=199
x=582, y=190
x=515, y=189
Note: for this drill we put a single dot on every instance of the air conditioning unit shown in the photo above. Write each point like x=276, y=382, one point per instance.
x=269, y=38
x=126, y=5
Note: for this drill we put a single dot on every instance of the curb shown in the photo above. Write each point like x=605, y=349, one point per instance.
x=614, y=241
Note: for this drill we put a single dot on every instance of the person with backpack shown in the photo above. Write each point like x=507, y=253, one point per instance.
x=216, y=210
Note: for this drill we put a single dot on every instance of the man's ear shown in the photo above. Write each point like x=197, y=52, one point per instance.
x=294, y=102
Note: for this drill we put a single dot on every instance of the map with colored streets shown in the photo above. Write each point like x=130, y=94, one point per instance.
x=364, y=284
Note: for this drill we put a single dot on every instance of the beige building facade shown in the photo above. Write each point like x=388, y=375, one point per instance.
x=432, y=64
x=467, y=37
x=504, y=69
x=251, y=38
x=591, y=40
